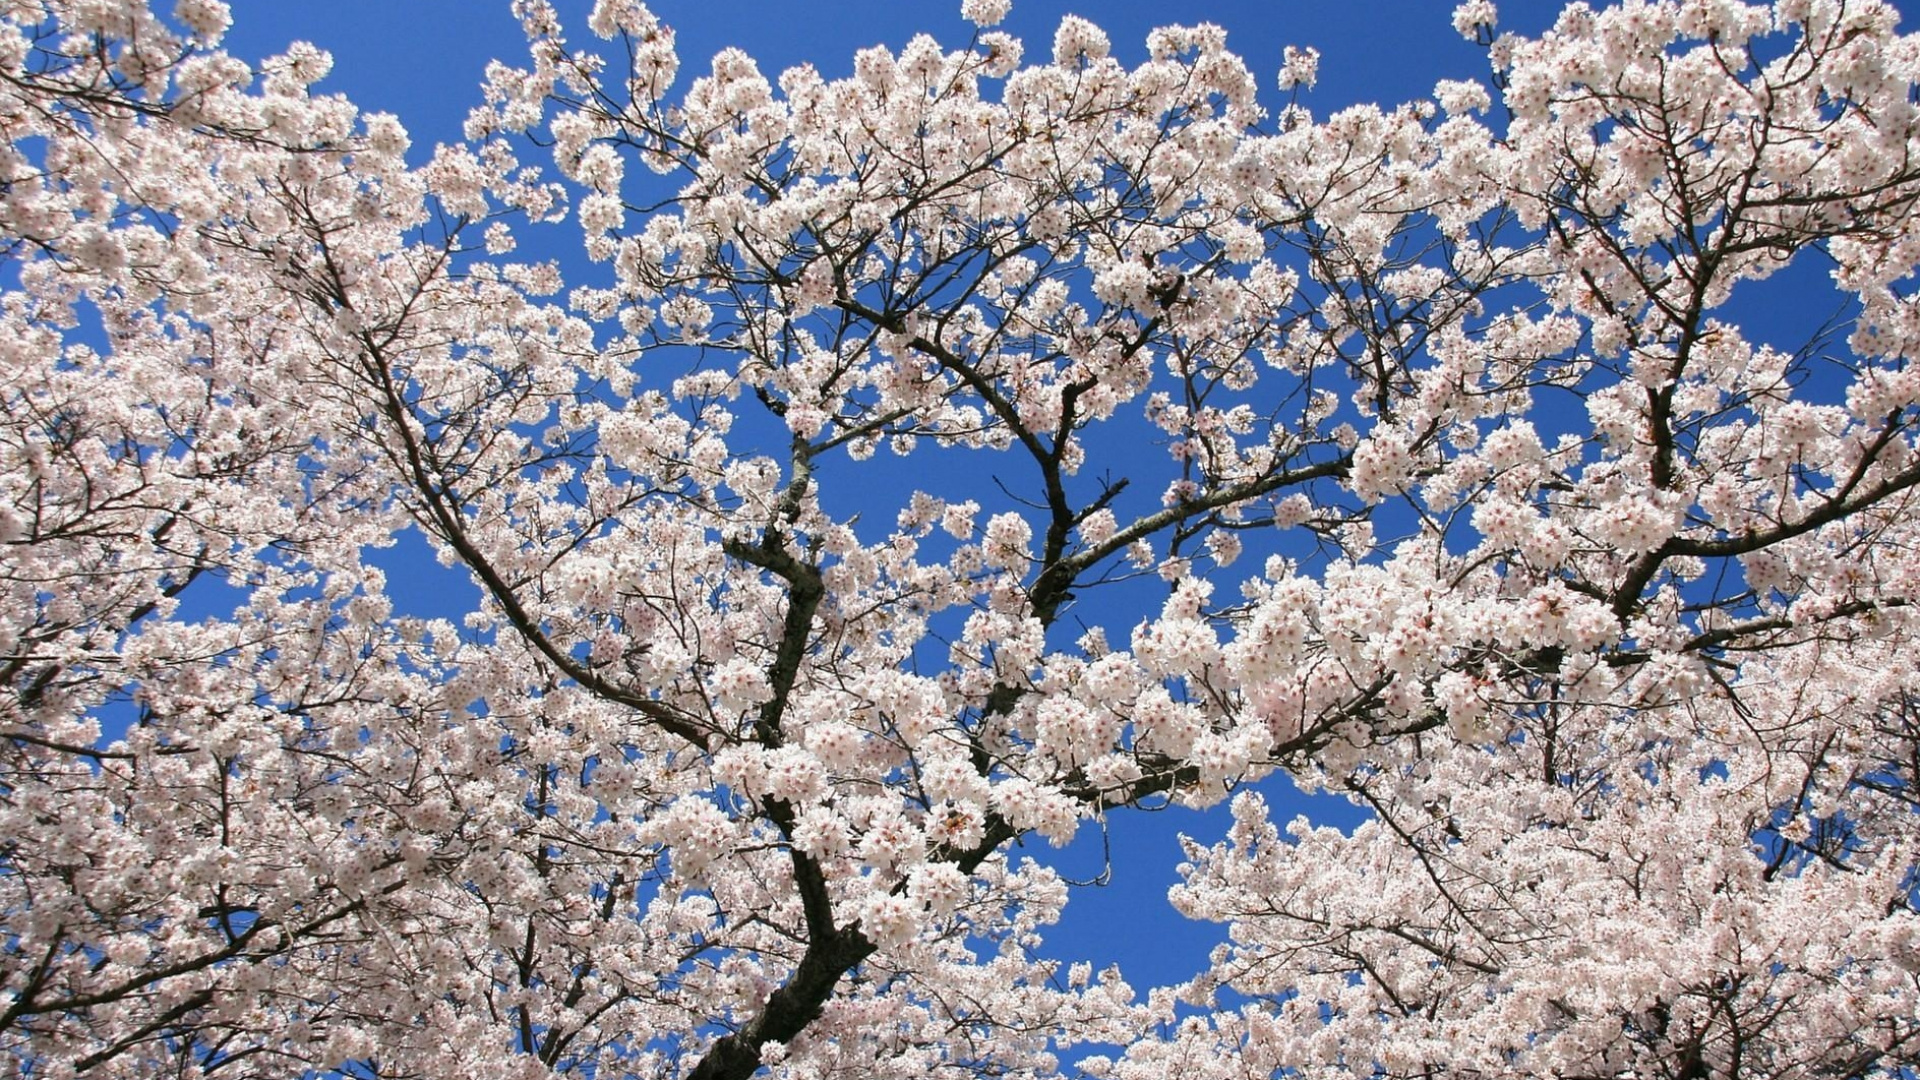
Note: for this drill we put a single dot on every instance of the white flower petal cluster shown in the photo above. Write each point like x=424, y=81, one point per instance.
x=959, y=454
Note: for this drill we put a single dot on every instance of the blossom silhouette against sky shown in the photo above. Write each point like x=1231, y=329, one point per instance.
x=423, y=60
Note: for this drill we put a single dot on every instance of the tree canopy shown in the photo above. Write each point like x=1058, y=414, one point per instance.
x=917, y=467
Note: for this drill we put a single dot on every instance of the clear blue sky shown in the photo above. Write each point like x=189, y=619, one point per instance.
x=422, y=60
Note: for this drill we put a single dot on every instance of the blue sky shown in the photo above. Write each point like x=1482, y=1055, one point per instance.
x=423, y=60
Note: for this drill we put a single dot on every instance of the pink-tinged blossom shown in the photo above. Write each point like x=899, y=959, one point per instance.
x=1472, y=17
x=1300, y=67
x=1078, y=41
x=208, y=19
x=1417, y=452
x=984, y=13
x=1006, y=543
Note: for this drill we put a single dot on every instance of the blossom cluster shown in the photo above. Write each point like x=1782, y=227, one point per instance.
x=1416, y=456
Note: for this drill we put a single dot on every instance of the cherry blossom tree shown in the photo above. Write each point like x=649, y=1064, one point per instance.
x=1418, y=455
